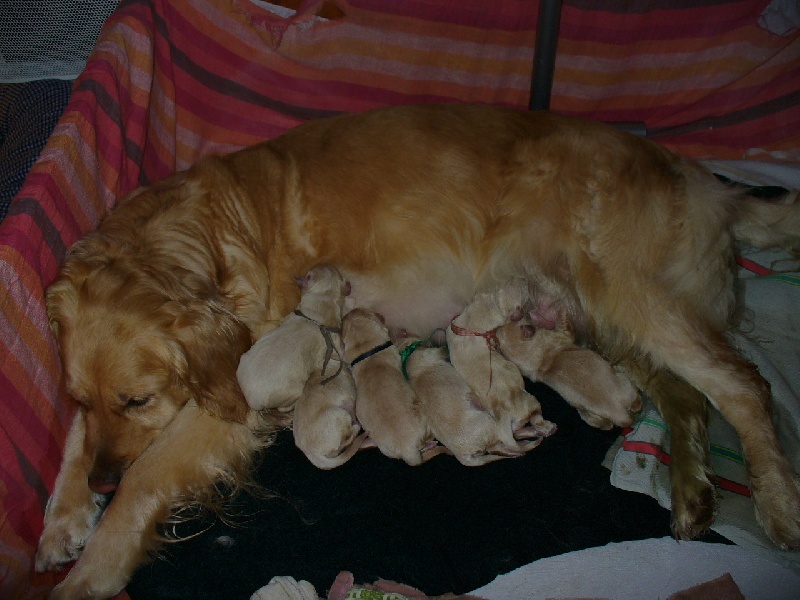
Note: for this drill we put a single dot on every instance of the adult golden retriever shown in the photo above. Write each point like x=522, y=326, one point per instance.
x=420, y=208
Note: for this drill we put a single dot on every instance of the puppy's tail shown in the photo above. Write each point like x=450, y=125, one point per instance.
x=772, y=222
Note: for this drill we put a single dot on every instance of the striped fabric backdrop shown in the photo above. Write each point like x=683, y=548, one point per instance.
x=169, y=82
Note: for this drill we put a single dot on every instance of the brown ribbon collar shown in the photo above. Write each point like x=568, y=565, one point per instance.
x=326, y=332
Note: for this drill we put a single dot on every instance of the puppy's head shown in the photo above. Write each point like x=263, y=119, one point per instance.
x=134, y=352
x=323, y=279
x=361, y=330
x=339, y=433
x=511, y=297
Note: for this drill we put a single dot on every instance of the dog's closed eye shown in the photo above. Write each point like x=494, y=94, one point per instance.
x=135, y=401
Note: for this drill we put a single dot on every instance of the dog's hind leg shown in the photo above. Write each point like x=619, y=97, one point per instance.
x=195, y=451
x=769, y=223
x=707, y=362
x=685, y=411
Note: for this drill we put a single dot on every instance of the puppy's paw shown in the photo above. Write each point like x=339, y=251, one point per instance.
x=537, y=430
x=633, y=410
x=596, y=421
x=636, y=405
x=66, y=532
x=543, y=427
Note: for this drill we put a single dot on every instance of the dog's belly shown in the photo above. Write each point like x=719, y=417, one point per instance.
x=418, y=298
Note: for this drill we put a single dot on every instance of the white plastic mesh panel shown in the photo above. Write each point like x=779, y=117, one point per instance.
x=48, y=39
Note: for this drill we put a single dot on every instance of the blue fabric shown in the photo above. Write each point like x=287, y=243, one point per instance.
x=28, y=113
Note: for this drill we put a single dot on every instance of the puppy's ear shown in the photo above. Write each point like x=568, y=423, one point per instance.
x=213, y=340
x=301, y=281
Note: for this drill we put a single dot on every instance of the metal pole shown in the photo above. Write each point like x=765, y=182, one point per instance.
x=544, y=57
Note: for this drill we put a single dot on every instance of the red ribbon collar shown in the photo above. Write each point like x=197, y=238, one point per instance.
x=490, y=337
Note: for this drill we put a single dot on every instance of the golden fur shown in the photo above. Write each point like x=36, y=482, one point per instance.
x=419, y=208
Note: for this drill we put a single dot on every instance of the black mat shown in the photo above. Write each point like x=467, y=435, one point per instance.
x=440, y=527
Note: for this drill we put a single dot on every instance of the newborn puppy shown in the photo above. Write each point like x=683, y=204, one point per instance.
x=325, y=425
x=386, y=406
x=274, y=372
x=496, y=381
x=454, y=414
x=603, y=396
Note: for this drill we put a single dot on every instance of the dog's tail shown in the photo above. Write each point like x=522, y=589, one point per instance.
x=769, y=222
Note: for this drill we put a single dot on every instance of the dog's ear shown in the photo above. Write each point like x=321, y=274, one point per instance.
x=213, y=340
x=61, y=297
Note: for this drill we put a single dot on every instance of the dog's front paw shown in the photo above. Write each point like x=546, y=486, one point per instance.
x=71, y=589
x=65, y=533
x=105, y=566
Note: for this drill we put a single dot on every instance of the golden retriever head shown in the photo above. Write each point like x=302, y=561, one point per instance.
x=136, y=344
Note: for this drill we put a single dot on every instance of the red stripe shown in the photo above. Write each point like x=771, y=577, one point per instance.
x=732, y=486
x=664, y=458
x=753, y=267
x=646, y=448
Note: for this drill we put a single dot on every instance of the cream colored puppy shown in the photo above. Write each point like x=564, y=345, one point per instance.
x=603, y=396
x=274, y=372
x=386, y=406
x=325, y=424
x=454, y=413
x=496, y=381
